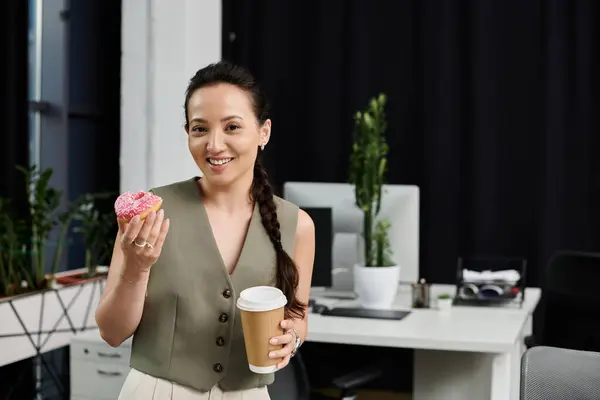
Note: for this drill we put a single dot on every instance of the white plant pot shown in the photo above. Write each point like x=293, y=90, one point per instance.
x=376, y=287
x=444, y=305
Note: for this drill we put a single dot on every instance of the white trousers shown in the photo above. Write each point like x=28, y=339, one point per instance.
x=141, y=386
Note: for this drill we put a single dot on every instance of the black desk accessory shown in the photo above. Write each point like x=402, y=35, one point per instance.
x=490, y=292
x=357, y=312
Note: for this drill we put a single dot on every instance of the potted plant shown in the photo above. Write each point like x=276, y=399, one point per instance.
x=444, y=302
x=376, y=279
x=97, y=230
x=44, y=217
x=26, y=269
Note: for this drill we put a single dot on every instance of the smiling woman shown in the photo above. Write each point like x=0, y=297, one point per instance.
x=223, y=133
x=226, y=232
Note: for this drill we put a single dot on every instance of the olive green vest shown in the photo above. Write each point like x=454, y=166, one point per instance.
x=190, y=332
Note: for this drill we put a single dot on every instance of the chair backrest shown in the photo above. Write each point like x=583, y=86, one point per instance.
x=570, y=307
x=550, y=373
x=291, y=382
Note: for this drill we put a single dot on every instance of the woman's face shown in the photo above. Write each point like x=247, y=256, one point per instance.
x=223, y=132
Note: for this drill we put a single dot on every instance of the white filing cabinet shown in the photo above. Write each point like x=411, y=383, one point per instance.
x=98, y=370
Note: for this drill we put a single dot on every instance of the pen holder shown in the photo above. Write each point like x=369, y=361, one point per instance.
x=421, y=294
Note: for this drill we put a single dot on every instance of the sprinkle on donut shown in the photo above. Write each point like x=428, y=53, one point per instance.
x=130, y=204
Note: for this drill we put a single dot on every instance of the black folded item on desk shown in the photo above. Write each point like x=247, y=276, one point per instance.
x=356, y=312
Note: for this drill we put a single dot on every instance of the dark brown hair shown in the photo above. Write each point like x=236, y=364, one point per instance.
x=287, y=277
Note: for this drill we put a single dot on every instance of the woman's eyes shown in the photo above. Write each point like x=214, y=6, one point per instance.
x=232, y=127
x=199, y=129
x=202, y=129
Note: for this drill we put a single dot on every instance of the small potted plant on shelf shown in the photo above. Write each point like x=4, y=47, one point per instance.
x=376, y=279
x=444, y=302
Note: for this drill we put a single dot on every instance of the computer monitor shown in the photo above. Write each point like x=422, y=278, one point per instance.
x=323, y=220
x=399, y=205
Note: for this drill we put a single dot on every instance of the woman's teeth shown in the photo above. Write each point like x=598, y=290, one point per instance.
x=220, y=161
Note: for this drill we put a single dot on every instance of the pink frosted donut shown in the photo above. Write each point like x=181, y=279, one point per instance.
x=129, y=204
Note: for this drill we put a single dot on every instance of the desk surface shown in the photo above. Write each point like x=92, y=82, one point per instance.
x=479, y=329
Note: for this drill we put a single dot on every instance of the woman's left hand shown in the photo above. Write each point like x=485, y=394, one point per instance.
x=288, y=340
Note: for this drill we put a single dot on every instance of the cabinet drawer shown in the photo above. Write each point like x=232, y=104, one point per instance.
x=100, y=352
x=104, y=380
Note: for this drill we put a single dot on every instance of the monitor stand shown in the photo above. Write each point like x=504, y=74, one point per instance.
x=331, y=293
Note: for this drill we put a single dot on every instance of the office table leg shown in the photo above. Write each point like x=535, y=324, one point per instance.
x=454, y=375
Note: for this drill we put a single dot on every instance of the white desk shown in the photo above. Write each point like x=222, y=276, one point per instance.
x=469, y=353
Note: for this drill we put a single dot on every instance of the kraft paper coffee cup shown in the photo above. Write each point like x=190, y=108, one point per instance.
x=261, y=309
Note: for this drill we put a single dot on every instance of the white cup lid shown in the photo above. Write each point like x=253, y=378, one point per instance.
x=261, y=298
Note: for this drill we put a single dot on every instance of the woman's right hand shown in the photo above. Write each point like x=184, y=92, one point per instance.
x=138, y=245
x=142, y=241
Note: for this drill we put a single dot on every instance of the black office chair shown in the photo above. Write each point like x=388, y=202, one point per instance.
x=291, y=383
x=549, y=373
x=570, y=304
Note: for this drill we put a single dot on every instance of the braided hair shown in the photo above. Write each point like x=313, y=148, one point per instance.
x=287, y=276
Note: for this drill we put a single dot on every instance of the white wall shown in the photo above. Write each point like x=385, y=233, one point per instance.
x=163, y=44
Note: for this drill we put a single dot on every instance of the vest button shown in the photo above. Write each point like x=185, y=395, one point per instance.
x=227, y=293
x=217, y=367
x=220, y=341
x=223, y=318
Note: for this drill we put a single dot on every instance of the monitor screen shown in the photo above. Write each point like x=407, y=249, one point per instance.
x=322, y=218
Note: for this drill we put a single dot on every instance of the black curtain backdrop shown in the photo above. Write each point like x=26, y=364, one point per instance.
x=493, y=112
x=14, y=136
x=17, y=380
